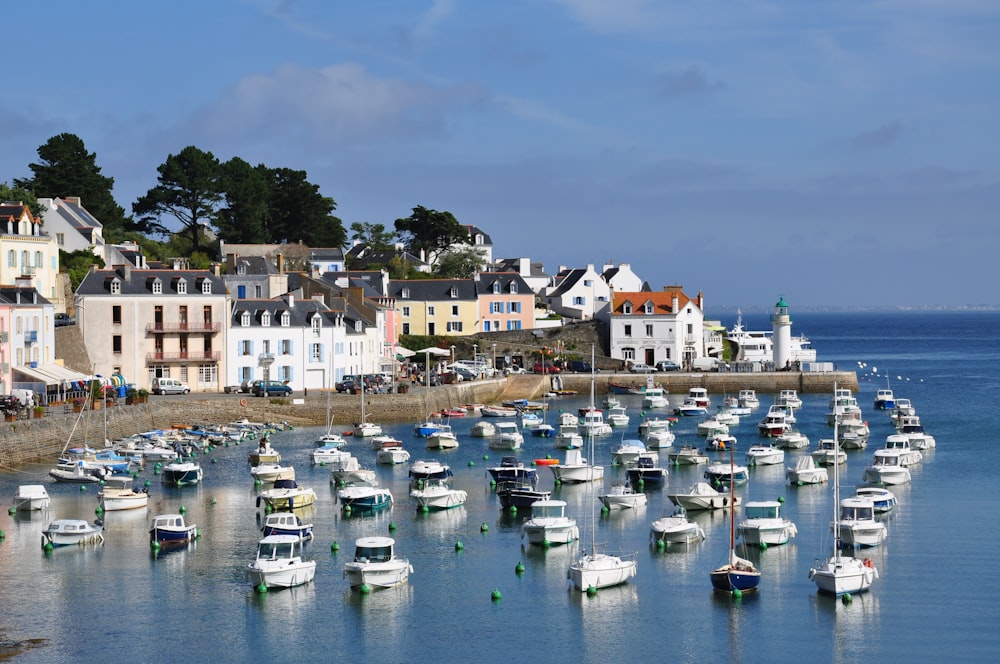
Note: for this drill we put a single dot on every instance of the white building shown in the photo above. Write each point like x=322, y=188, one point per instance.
x=578, y=293
x=647, y=327
x=27, y=252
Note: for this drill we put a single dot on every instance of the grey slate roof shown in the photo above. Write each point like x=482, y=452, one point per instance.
x=140, y=282
x=430, y=290
x=300, y=314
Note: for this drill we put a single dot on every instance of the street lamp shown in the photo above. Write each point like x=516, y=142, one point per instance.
x=265, y=360
x=453, y=353
x=494, y=357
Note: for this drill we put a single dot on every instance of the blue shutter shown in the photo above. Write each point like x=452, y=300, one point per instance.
x=241, y=292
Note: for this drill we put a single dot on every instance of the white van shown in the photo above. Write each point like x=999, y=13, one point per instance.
x=169, y=386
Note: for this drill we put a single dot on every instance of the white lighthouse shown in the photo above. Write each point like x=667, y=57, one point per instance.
x=782, y=328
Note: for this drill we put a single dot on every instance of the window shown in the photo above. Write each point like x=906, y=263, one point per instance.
x=246, y=347
x=285, y=319
x=267, y=346
x=496, y=286
x=285, y=374
x=241, y=292
x=406, y=312
x=430, y=310
x=628, y=353
x=11, y=258
x=649, y=330
x=627, y=309
x=515, y=308
x=116, y=344
x=241, y=268
x=406, y=328
x=513, y=287
x=487, y=326
x=513, y=325
x=182, y=287
x=208, y=374
x=405, y=293
x=158, y=371
x=184, y=373
x=496, y=307
x=182, y=344
x=648, y=308
x=316, y=352
x=317, y=323
x=206, y=315
x=258, y=291
x=245, y=319
x=246, y=373
x=60, y=239
x=453, y=292
x=116, y=287
x=116, y=314
x=455, y=326
x=265, y=319
x=182, y=316
x=157, y=287
x=588, y=282
x=628, y=330
x=286, y=346
x=579, y=300
x=454, y=310
x=206, y=287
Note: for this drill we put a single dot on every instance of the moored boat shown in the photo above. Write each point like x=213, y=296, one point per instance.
x=375, y=564
x=279, y=563
x=68, y=532
x=171, y=529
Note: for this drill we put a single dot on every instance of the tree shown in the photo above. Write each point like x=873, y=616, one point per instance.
x=245, y=217
x=460, y=263
x=373, y=236
x=299, y=213
x=16, y=193
x=77, y=264
x=188, y=189
x=67, y=169
x=427, y=233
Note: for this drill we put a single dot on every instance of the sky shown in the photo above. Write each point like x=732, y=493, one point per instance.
x=832, y=153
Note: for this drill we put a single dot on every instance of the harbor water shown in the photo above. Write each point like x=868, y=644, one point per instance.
x=465, y=601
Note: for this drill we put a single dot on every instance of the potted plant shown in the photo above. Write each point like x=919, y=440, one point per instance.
x=39, y=411
x=78, y=404
x=131, y=394
x=403, y=388
x=143, y=395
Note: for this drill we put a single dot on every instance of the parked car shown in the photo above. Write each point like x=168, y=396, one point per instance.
x=347, y=384
x=667, y=365
x=639, y=367
x=546, y=367
x=581, y=366
x=64, y=319
x=272, y=388
x=463, y=372
x=9, y=403
x=514, y=369
x=169, y=386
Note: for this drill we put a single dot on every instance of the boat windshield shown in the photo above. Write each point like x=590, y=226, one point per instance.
x=374, y=554
x=275, y=550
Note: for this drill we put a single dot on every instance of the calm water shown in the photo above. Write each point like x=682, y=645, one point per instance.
x=119, y=603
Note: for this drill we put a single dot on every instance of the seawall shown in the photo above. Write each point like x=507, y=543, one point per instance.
x=43, y=439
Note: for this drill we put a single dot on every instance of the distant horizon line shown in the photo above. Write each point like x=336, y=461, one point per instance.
x=805, y=308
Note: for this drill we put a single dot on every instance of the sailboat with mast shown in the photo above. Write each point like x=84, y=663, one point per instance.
x=364, y=428
x=737, y=575
x=594, y=570
x=839, y=574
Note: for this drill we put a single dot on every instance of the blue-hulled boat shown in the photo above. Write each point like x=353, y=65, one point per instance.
x=168, y=529
x=737, y=575
x=646, y=474
x=364, y=497
x=286, y=523
x=519, y=494
x=512, y=469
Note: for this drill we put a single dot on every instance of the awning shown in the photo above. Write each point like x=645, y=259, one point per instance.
x=53, y=374
x=402, y=353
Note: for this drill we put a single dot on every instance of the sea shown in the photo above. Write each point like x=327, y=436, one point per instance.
x=466, y=601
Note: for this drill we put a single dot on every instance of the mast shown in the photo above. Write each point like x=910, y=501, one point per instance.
x=732, y=505
x=836, y=487
x=593, y=518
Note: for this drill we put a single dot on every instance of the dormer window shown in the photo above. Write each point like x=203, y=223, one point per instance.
x=182, y=287
x=649, y=308
x=358, y=327
x=317, y=323
x=245, y=319
x=116, y=287
x=513, y=288
x=285, y=319
x=405, y=293
x=265, y=319
x=627, y=309
x=157, y=287
x=241, y=268
x=496, y=287
x=453, y=293
x=206, y=287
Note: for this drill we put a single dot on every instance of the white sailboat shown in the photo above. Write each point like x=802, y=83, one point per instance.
x=838, y=574
x=594, y=570
x=364, y=428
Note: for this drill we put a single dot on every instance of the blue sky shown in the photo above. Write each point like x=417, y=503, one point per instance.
x=835, y=153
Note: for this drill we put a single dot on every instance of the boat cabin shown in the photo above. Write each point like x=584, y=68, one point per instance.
x=278, y=547
x=764, y=509
x=857, y=509
x=373, y=549
x=553, y=509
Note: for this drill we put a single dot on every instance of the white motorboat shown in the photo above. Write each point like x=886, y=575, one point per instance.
x=792, y=439
x=842, y=403
x=549, y=524
x=828, y=452
x=701, y=496
x=391, y=453
x=675, y=529
x=31, y=497
x=428, y=426
x=910, y=426
x=651, y=424
x=367, y=430
x=442, y=439
x=765, y=455
x=327, y=454
x=627, y=452
x=279, y=563
x=764, y=525
x=748, y=399
x=593, y=423
x=882, y=499
x=507, y=436
x=840, y=574
x=622, y=496
x=852, y=431
x=364, y=497
x=884, y=399
x=171, y=529
x=286, y=523
x=287, y=495
x=700, y=396
x=77, y=473
x=646, y=474
x=429, y=469
x=264, y=453
x=375, y=565
x=758, y=346
x=726, y=474
x=354, y=477
x=483, y=429
x=512, y=469
x=688, y=455
x=886, y=468
x=857, y=523
x=789, y=398
x=617, y=416
x=568, y=437
x=902, y=408
x=806, y=471
x=727, y=417
x=437, y=495
x=773, y=425
x=575, y=469
x=68, y=532
x=119, y=494
x=690, y=408
x=659, y=439
x=711, y=427
x=331, y=440
x=908, y=456
x=376, y=442
x=654, y=397
x=268, y=473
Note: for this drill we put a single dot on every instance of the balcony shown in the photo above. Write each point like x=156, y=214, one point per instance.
x=198, y=327
x=185, y=356
x=30, y=337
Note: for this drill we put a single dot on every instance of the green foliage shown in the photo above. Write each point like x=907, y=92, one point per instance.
x=374, y=236
x=460, y=263
x=245, y=216
x=188, y=189
x=299, y=213
x=19, y=193
x=430, y=232
x=77, y=264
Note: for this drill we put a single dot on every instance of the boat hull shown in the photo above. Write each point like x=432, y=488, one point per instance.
x=284, y=574
x=542, y=533
x=675, y=530
x=577, y=474
x=728, y=578
x=378, y=575
x=601, y=571
x=837, y=576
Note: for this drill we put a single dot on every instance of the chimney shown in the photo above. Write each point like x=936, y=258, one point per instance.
x=73, y=199
x=281, y=263
x=290, y=299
